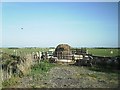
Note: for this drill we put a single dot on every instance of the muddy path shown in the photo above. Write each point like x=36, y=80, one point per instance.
x=68, y=76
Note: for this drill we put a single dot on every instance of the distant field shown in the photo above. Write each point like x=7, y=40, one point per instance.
x=103, y=52
x=94, y=51
x=22, y=51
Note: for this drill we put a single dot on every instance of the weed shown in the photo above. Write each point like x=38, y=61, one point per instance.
x=92, y=75
x=42, y=67
x=12, y=81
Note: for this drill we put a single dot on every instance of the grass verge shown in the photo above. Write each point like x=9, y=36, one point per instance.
x=41, y=68
x=10, y=82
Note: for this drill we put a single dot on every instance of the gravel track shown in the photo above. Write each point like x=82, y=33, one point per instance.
x=66, y=76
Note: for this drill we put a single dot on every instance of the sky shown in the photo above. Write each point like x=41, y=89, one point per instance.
x=60, y=0
x=79, y=24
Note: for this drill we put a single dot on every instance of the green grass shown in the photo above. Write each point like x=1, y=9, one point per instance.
x=106, y=70
x=22, y=51
x=41, y=68
x=94, y=51
x=103, y=52
x=10, y=82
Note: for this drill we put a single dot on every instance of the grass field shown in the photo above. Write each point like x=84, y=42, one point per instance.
x=22, y=51
x=103, y=52
x=93, y=51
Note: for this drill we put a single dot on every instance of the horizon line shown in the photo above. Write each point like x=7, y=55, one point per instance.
x=56, y=46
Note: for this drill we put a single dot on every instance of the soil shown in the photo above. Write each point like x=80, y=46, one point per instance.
x=69, y=76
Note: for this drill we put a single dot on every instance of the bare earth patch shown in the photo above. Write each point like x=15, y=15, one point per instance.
x=66, y=76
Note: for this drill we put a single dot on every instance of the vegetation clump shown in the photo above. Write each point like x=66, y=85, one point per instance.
x=10, y=82
x=42, y=67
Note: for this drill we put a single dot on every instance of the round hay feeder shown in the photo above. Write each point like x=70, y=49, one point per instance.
x=63, y=51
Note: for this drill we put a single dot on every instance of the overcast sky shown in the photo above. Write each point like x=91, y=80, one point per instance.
x=49, y=24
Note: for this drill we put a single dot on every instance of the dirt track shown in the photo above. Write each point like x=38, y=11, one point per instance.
x=66, y=76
